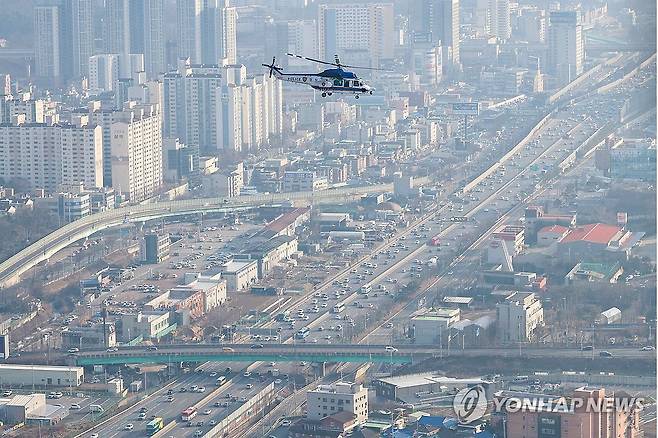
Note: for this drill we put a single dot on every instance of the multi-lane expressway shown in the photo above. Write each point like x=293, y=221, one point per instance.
x=402, y=353
x=12, y=268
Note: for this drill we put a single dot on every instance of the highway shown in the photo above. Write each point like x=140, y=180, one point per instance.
x=219, y=401
x=12, y=268
x=489, y=199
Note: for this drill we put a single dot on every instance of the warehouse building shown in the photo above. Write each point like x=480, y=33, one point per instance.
x=40, y=375
x=411, y=388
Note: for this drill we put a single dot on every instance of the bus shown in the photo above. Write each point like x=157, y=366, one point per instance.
x=365, y=289
x=188, y=414
x=154, y=426
x=302, y=333
x=221, y=380
x=338, y=308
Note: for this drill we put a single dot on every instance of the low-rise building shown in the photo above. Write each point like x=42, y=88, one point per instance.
x=551, y=234
x=430, y=327
x=155, y=248
x=610, y=316
x=185, y=304
x=328, y=400
x=519, y=317
x=411, y=387
x=90, y=336
x=597, y=242
x=146, y=325
x=597, y=414
x=40, y=375
x=513, y=236
x=303, y=181
x=598, y=272
x=239, y=274
x=270, y=253
x=213, y=289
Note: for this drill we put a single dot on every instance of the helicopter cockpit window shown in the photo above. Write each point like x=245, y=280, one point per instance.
x=338, y=82
x=357, y=83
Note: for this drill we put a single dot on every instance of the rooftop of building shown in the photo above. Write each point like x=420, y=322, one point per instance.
x=237, y=265
x=339, y=388
x=286, y=219
x=435, y=314
x=457, y=300
x=38, y=368
x=411, y=380
x=594, y=233
x=554, y=229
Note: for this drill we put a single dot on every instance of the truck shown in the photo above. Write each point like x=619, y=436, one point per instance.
x=283, y=316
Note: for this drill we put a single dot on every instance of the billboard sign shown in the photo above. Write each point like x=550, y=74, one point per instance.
x=466, y=108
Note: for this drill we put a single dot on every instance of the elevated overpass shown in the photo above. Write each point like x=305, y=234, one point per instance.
x=12, y=268
x=319, y=353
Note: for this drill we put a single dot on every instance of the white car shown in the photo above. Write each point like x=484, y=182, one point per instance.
x=129, y=426
x=207, y=412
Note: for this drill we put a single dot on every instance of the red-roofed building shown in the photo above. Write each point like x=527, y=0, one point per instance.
x=598, y=241
x=549, y=235
x=286, y=224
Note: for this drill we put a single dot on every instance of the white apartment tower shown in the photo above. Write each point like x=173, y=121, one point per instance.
x=437, y=21
x=565, y=46
x=50, y=155
x=191, y=98
x=103, y=72
x=137, y=152
x=356, y=29
x=302, y=39
x=499, y=19
x=137, y=27
x=206, y=31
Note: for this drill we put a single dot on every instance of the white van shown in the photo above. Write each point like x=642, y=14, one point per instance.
x=96, y=409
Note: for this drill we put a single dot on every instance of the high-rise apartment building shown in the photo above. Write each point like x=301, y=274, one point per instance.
x=206, y=31
x=63, y=38
x=531, y=24
x=117, y=22
x=356, y=30
x=47, y=51
x=302, y=39
x=48, y=155
x=438, y=21
x=191, y=98
x=137, y=27
x=136, y=146
x=103, y=72
x=499, y=19
x=147, y=34
x=565, y=46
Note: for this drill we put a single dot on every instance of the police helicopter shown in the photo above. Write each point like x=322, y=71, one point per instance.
x=329, y=81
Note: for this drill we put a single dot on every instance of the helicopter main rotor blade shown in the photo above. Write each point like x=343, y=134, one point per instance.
x=333, y=63
x=311, y=59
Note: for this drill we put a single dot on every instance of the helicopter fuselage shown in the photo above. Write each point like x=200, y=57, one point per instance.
x=327, y=83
